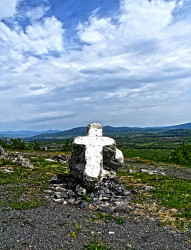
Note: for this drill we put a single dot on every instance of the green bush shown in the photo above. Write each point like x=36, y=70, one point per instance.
x=182, y=155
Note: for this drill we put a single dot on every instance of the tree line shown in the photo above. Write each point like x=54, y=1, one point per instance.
x=17, y=143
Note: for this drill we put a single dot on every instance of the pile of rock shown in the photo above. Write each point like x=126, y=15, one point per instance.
x=60, y=158
x=4, y=154
x=92, y=182
x=109, y=195
x=16, y=158
x=20, y=160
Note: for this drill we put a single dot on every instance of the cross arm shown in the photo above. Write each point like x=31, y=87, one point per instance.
x=81, y=140
x=108, y=141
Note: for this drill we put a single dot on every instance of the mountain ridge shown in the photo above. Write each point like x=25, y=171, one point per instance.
x=24, y=133
x=108, y=130
x=81, y=131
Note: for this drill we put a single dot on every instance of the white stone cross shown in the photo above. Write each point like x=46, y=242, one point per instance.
x=94, y=143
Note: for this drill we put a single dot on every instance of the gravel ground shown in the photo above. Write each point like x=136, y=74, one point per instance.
x=48, y=227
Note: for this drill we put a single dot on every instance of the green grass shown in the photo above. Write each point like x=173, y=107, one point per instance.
x=86, y=198
x=95, y=245
x=103, y=216
x=169, y=192
x=158, y=155
x=75, y=233
x=23, y=189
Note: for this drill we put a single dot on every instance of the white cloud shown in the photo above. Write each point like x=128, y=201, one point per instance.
x=129, y=29
x=35, y=14
x=7, y=8
x=128, y=71
x=39, y=38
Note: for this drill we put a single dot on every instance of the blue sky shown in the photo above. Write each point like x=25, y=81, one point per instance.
x=66, y=63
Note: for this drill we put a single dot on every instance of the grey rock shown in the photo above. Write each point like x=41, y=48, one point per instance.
x=48, y=191
x=60, y=189
x=71, y=193
x=55, y=181
x=58, y=200
x=125, y=193
x=71, y=201
x=64, y=194
x=57, y=195
x=120, y=209
x=84, y=205
x=60, y=158
x=104, y=198
x=103, y=209
x=80, y=190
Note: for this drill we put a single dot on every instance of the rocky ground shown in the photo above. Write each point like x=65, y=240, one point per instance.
x=68, y=226
x=138, y=165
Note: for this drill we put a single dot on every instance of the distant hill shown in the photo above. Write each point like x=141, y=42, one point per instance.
x=24, y=134
x=112, y=131
x=81, y=131
x=184, y=129
x=181, y=126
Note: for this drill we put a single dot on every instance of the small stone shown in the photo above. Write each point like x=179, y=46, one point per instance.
x=147, y=188
x=120, y=209
x=144, y=170
x=162, y=173
x=58, y=185
x=111, y=199
x=91, y=206
x=71, y=201
x=71, y=193
x=55, y=181
x=57, y=195
x=80, y=190
x=60, y=189
x=48, y=191
x=98, y=202
x=117, y=203
x=64, y=194
x=58, y=200
x=107, y=191
x=104, y=198
x=103, y=209
x=84, y=205
x=125, y=193
x=110, y=233
x=50, y=160
x=77, y=202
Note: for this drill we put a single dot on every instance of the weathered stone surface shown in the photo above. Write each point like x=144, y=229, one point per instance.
x=94, y=157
